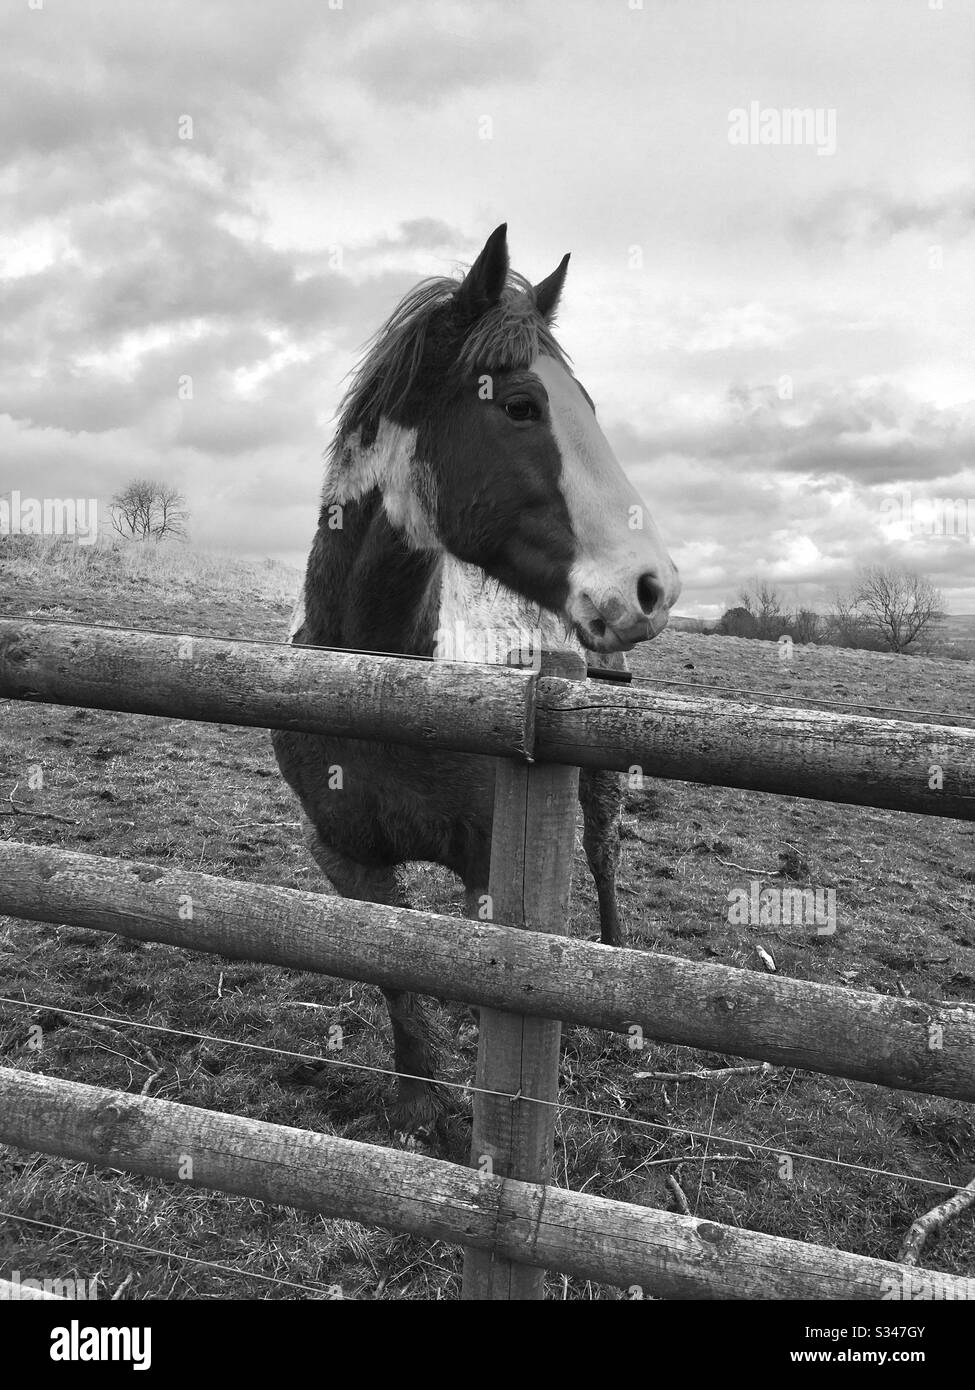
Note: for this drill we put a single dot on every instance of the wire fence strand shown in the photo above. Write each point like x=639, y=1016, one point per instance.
x=468, y=1089
x=788, y=697
x=166, y=1254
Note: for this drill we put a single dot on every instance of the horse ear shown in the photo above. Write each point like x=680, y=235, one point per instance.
x=481, y=287
x=547, y=291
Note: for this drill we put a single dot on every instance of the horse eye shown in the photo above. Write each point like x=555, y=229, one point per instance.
x=522, y=409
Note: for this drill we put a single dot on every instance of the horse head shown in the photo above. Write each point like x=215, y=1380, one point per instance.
x=467, y=417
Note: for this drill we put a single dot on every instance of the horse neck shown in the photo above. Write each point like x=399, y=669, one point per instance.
x=377, y=585
x=366, y=588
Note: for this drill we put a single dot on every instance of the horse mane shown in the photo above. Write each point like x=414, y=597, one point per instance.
x=509, y=335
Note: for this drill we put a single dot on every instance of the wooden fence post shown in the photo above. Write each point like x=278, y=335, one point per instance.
x=532, y=849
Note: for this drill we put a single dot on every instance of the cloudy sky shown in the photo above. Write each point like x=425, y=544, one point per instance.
x=779, y=336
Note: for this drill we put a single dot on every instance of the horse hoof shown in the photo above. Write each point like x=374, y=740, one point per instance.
x=415, y=1140
x=608, y=940
x=416, y=1111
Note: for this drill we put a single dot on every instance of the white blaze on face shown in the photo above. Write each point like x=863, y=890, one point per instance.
x=617, y=540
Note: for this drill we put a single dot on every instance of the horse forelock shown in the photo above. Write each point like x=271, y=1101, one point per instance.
x=507, y=336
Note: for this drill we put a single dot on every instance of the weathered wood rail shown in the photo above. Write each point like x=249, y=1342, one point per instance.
x=494, y=711
x=662, y=1254
x=768, y=748
x=472, y=709
x=903, y=1043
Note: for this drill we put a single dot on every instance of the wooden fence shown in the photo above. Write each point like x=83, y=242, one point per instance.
x=543, y=725
x=823, y=1028
x=488, y=709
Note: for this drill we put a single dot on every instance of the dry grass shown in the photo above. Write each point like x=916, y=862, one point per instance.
x=169, y=565
x=210, y=797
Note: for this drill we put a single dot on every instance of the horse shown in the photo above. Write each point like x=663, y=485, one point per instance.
x=468, y=487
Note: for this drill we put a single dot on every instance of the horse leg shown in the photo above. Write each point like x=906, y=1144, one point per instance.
x=413, y=1030
x=601, y=795
x=418, y=1103
x=476, y=900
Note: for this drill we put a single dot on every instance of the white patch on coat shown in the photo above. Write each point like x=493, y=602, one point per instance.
x=389, y=464
x=481, y=620
x=297, y=617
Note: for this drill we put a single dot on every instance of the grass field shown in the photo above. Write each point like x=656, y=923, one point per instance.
x=210, y=798
x=955, y=636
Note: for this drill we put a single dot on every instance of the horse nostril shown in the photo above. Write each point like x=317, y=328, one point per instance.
x=649, y=592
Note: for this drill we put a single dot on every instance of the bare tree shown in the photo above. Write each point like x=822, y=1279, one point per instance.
x=806, y=625
x=898, y=604
x=844, y=626
x=172, y=512
x=145, y=509
x=128, y=508
x=738, y=622
x=764, y=602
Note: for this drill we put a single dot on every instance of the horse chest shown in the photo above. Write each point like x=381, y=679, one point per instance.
x=480, y=620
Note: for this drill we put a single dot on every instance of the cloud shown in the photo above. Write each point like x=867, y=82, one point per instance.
x=421, y=55
x=158, y=286
x=750, y=484
x=141, y=259
x=866, y=433
x=100, y=74
x=873, y=216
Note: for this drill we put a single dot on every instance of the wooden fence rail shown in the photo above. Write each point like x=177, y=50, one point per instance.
x=659, y=1253
x=769, y=748
x=903, y=1043
x=497, y=712
x=473, y=709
